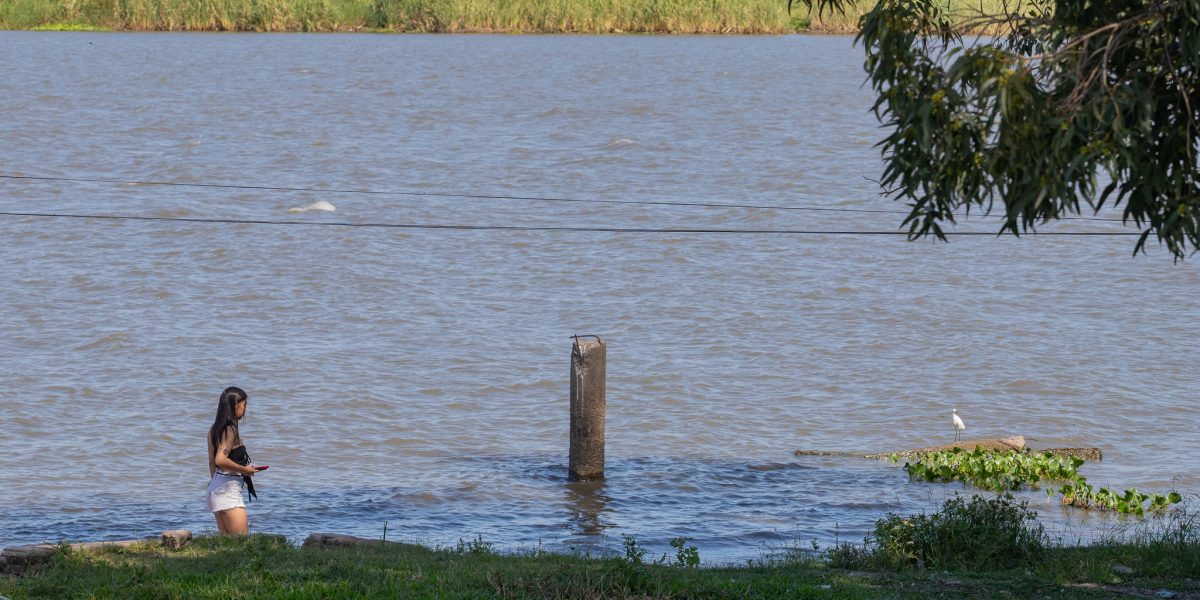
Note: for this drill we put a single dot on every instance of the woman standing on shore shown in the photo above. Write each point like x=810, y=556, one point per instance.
x=229, y=465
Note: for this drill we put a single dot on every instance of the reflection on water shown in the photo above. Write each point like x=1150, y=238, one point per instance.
x=587, y=503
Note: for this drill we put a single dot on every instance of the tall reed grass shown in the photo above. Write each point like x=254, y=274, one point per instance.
x=540, y=16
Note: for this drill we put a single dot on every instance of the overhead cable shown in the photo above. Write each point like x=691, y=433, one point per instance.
x=547, y=228
x=271, y=188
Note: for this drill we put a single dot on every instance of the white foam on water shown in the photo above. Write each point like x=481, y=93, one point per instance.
x=618, y=143
x=319, y=205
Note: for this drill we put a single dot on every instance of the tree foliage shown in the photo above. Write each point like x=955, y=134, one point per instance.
x=1043, y=107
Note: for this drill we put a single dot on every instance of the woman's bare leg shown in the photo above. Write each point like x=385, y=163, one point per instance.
x=232, y=522
x=235, y=521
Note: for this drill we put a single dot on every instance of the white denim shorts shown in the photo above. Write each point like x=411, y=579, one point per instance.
x=225, y=492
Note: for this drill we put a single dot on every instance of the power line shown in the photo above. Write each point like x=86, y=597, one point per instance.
x=368, y=192
x=447, y=195
x=547, y=228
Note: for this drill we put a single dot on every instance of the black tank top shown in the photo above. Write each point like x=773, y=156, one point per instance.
x=241, y=457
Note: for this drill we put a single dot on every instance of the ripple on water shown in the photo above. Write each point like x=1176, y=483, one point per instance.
x=119, y=340
x=726, y=352
x=731, y=510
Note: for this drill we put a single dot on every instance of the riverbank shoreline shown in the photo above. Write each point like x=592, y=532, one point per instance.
x=265, y=566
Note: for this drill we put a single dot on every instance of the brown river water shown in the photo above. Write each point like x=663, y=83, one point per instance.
x=418, y=377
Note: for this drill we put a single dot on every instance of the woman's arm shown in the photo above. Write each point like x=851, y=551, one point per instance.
x=222, y=460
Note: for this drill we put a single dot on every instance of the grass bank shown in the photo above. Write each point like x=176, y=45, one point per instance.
x=1160, y=565
x=987, y=546
x=265, y=567
x=433, y=16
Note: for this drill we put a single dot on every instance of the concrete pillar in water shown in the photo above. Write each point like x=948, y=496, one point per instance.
x=587, y=409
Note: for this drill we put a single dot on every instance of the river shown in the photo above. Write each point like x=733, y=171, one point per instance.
x=417, y=376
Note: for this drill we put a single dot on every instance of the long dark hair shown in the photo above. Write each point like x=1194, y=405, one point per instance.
x=226, y=415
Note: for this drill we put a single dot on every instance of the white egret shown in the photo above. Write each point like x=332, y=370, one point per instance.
x=958, y=423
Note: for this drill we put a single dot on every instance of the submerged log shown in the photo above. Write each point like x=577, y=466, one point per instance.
x=1083, y=453
x=1009, y=443
x=832, y=453
x=1015, y=442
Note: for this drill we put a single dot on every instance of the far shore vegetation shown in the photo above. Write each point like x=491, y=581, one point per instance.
x=440, y=16
x=985, y=546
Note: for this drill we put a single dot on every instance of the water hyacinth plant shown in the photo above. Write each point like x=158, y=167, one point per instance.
x=1081, y=493
x=1002, y=471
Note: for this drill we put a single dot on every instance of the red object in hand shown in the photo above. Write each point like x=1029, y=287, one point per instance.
x=263, y=468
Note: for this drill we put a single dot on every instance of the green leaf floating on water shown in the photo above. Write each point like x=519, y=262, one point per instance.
x=1001, y=471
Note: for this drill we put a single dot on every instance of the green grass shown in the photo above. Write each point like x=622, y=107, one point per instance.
x=1160, y=554
x=543, y=16
x=983, y=534
x=996, y=536
x=70, y=27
